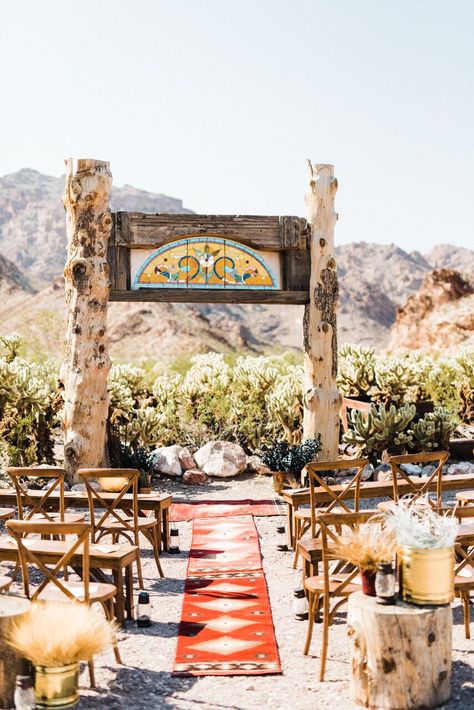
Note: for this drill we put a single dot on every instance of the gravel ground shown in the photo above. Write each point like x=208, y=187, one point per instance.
x=145, y=681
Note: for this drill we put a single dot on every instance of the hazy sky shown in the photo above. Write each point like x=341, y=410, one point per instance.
x=221, y=102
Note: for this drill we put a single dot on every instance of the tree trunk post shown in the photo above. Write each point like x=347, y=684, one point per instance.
x=321, y=399
x=86, y=362
x=11, y=610
x=400, y=655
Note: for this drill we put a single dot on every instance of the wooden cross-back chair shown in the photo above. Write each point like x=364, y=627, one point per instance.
x=464, y=564
x=52, y=587
x=419, y=487
x=115, y=518
x=332, y=584
x=41, y=507
x=304, y=518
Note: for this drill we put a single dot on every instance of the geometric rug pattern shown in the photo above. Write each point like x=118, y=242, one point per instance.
x=226, y=624
x=216, y=509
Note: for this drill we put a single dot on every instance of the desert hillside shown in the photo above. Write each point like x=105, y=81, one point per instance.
x=375, y=281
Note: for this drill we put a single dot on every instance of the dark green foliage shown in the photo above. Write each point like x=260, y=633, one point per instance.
x=124, y=456
x=285, y=457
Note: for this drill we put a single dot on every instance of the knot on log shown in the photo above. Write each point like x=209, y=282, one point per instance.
x=80, y=271
x=106, y=222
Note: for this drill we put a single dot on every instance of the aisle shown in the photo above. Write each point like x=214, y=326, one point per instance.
x=226, y=624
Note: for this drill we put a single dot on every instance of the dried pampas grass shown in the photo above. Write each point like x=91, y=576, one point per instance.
x=366, y=547
x=54, y=634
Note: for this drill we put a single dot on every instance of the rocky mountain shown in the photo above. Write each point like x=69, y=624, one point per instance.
x=32, y=232
x=375, y=281
x=439, y=317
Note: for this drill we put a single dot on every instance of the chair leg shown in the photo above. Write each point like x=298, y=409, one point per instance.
x=155, y=541
x=109, y=613
x=296, y=530
x=324, y=648
x=91, y=673
x=312, y=601
x=467, y=614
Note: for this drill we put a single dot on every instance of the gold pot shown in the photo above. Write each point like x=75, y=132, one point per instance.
x=426, y=576
x=112, y=485
x=57, y=687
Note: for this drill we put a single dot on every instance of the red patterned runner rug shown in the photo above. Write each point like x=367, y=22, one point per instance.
x=226, y=624
x=216, y=509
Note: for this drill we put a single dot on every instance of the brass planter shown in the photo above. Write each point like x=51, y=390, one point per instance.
x=426, y=576
x=57, y=687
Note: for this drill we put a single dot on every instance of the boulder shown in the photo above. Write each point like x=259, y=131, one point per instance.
x=221, y=458
x=368, y=473
x=428, y=470
x=166, y=460
x=461, y=467
x=255, y=463
x=383, y=472
x=194, y=477
x=411, y=469
x=186, y=459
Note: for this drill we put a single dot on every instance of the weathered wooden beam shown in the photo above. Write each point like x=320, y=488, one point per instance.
x=224, y=295
x=138, y=230
x=321, y=400
x=296, y=270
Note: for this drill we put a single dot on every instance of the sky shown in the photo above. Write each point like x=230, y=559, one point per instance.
x=221, y=103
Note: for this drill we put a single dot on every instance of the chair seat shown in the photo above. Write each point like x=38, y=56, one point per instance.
x=69, y=518
x=316, y=584
x=117, y=526
x=6, y=513
x=465, y=579
x=98, y=592
x=305, y=513
x=311, y=550
x=5, y=583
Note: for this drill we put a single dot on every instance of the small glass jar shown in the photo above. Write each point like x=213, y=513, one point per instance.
x=174, y=541
x=143, y=610
x=281, y=541
x=300, y=604
x=385, y=583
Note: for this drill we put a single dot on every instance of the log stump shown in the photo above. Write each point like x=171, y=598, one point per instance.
x=10, y=664
x=400, y=655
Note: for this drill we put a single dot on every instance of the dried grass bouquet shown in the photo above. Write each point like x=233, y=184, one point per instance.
x=416, y=524
x=366, y=546
x=55, y=634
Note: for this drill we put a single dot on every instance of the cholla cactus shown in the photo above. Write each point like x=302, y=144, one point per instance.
x=134, y=378
x=11, y=345
x=380, y=429
x=394, y=380
x=356, y=370
x=143, y=428
x=431, y=432
x=465, y=365
x=285, y=406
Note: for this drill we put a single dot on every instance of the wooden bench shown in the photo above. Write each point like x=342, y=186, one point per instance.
x=157, y=503
x=119, y=561
x=370, y=489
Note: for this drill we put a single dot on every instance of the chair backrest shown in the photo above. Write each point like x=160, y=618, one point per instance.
x=29, y=505
x=464, y=552
x=109, y=508
x=19, y=529
x=422, y=486
x=331, y=526
x=338, y=498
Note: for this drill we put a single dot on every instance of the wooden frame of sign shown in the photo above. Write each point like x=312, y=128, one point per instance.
x=103, y=249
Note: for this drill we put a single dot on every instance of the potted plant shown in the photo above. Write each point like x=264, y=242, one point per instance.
x=144, y=482
x=55, y=637
x=366, y=547
x=425, y=551
x=288, y=460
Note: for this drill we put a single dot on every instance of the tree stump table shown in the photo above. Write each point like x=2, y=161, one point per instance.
x=11, y=608
x=400, y=654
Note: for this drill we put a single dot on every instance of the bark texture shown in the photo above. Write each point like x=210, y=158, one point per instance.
x=321, y=397
x=400, y=655
x=86, y=364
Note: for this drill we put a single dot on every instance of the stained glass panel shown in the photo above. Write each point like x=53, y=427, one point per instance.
x=205, y=262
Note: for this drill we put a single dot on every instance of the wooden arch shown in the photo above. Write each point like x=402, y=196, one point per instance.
x=291, y=261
